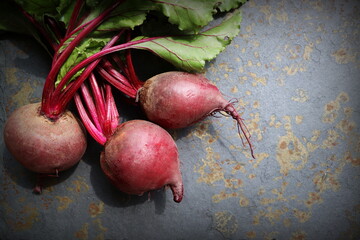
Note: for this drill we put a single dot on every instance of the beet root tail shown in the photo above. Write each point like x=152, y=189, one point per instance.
x=242, y=129
x=178, y=191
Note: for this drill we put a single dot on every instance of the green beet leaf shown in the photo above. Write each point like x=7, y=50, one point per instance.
x=129, y=14
x=190, y=52
x=227, y=5
x=80, y=53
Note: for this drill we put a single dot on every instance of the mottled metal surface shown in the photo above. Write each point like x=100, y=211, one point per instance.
x=295, y=69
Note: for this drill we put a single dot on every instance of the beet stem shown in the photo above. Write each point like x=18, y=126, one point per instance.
x=49, y=91
x=130, y=66
x=56, y=30
x=100, y=124
x=60, y=98
x=94, y=132
x=53, y=45
x=99, y=55
x=90, y=105
x=118, y=80
x=111, y=118
x=68, y=94
x=74, y=16
x=98, y=96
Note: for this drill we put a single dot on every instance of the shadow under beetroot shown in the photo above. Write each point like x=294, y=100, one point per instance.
x=112, y=196
x=28, y=179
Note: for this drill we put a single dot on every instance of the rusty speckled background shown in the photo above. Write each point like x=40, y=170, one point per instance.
x=295, y=69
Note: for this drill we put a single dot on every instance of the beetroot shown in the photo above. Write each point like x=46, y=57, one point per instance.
x=141, y=156
x=43, y=145
x=180, y=99
x=138, y=156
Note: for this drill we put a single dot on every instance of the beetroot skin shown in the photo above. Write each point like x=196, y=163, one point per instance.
x=180, y=99
x=141, y=156
x=42, y=145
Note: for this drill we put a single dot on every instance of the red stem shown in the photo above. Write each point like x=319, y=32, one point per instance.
x=65, y=80
x=55, y=29
x=117, y=60
x=109, y=68
x=61, y=97
x=112, y=116
x=114, y=113
x=49, y=88
x=70, y=28
x=65, y=39
x=89, y=60
x=105, y=122
x=90, y=105
x=118, y=81
x=40, y=29
x=98, y=96
x=94, y=132
x=130, y=66
x=74, y=16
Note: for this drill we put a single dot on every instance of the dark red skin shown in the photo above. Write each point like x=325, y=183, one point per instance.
x=141, y=156
x=42, y=145
x=179, y=99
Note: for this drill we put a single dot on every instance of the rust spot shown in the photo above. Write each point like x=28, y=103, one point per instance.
x=83, y=232
x=251, y=234
x=244, y=202
x=79, y=185
x=302, y=216
x=283, y=145
x=96, y=209
x=341, y=52
x=46, y=202
x=251, y=176
x=64, y=202
x=225, y=223
x=346, y=126
x=238, y=167
x=25, y=218
x=298, y=236
x=287, y=222
x=329, y=107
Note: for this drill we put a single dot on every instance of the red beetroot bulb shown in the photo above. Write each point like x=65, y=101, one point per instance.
x=43, y=145
x=141, y=156
x=180, y=99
